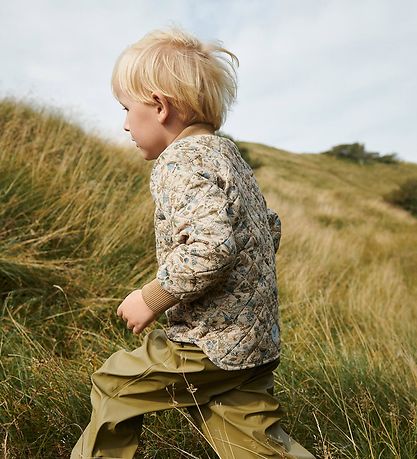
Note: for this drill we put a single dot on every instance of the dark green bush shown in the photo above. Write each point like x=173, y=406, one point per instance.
x=405, y=196
x=356, y=152
x=391, y=158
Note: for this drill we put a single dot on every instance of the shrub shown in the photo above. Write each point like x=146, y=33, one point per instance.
x=356, y=152
x=405, y=196
x=391, y=158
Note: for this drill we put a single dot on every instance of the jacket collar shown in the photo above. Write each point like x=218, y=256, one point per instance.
x=191, y=129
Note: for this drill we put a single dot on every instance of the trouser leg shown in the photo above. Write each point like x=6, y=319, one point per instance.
x=113, y=441
x=243, y=423
x=158, y=375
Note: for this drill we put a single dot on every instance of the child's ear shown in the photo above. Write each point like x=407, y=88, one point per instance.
x=162, y=106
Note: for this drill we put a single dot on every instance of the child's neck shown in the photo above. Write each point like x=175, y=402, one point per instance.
x=194, y=129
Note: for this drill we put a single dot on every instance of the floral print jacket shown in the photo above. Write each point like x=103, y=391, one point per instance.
x=216, y=242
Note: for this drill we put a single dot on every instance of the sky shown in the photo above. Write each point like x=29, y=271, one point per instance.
x=312, y=73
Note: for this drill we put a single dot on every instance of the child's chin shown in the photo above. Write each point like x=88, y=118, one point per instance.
x=145, y=154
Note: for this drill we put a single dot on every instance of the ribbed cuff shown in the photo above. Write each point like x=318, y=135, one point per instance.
x=156, y=298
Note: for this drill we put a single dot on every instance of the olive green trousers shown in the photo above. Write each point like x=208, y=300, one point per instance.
x=234, y=410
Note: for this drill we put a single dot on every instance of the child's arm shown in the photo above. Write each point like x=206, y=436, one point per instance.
x=204, y=248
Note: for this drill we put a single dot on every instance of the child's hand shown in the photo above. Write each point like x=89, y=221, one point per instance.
x=135, y=312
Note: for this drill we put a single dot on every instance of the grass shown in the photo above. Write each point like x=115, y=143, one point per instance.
x=76, y=237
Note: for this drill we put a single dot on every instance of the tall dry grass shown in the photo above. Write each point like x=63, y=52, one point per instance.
x=347, y=271
x=76, y=236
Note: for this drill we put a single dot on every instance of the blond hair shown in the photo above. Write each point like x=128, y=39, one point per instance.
x=195, y=78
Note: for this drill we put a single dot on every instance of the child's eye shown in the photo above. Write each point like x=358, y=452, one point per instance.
x=124, y=108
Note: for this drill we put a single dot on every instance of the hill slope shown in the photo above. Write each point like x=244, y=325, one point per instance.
x=76, y=236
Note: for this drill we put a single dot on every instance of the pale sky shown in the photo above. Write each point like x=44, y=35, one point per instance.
x=313, y=73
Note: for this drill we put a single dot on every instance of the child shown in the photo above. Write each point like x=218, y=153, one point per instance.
x=216, y=242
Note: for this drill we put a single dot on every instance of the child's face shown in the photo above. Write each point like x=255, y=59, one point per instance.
x=143, y=121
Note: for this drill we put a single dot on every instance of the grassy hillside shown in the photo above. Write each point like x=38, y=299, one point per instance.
x=76, y=236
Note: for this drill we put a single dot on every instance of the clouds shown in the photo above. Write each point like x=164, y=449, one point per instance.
x=312, y=74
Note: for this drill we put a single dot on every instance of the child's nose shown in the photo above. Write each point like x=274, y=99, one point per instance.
x=126, y=125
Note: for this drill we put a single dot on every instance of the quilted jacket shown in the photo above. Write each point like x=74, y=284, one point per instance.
x=216, y=242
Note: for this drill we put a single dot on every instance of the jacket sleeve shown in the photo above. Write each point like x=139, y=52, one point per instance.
x=203, y=244
x=275, y=227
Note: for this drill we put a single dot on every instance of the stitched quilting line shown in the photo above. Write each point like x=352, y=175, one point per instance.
x=220, y=148
x=243, y=336
x=197, y=173
x=254, y=346
x=181, y=213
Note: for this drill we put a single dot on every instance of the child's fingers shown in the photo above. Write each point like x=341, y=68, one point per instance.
x=137, y=329
x=119, y=310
